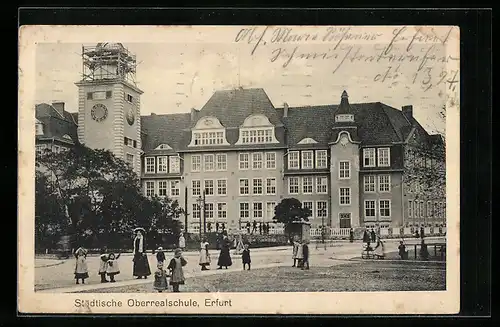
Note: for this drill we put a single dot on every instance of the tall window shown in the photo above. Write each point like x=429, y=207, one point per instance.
x=195, y=163
x=208, y=138
x=257, y=160
x=161, y=164
x=344, y=170
x=129, y=158
x=429, y=209
x=150, y=165
x=384, y=157
x=369, y=157
x=221, y=210
x=307, y=185
x=385, y=208
x=370, y=208
x=271, y=186
x=209, y=210
x=422, y=211
x=293, y=160
x=208, y=162
x=175, y=164
x=307, y=160
x=221, y=187
x=345, y=196
x=257, y=186
x=293, y=185
x=221, y=161
x=321, y=159
x=309, y=205
x=369, y=183
x=150, y=188
x=410, y=209
x=244, y=161
x=321, y=209
x=244, y=210
x=384, y=183
x=257, y=210
x=270, y=160
x=244, y=186
x=196, y=187
x=270, y=210
x=436, y=209
x=196, y=211
x=209, y=186
x=174, y=188
x=321, y=185
x=162, y=188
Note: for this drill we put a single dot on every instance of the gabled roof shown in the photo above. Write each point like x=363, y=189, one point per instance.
x=55, y=124
x=161, y=129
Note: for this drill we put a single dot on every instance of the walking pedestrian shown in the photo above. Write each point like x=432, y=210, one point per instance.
x=81, y=269
x=141, y=264
x=160, y=283
x=112, y=270
x=245, y=257
x=204, y=255
x=176, y=270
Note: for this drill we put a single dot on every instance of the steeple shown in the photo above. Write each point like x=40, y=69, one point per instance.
x=344, y=112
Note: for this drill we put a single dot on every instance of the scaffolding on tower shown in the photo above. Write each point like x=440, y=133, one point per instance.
x=108, y=61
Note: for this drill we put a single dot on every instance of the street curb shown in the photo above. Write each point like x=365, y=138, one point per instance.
x=50, y=265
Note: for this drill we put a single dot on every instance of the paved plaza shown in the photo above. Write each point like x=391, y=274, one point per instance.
x=57, y=275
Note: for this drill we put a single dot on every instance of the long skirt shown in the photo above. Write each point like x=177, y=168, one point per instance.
x=141, y=265
x=224, y=258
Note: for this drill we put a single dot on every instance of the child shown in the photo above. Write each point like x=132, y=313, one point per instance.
x=103, y=265
x=81, y=270
x=402, y=250
x=245, y=257
x=305, y=256
x=176, y=271
x=294, y=253
x=112, y=268
x=160, y=256
x=160, y=283
x=300, y=254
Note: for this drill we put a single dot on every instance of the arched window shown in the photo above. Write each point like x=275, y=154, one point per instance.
x=163, y=146
x=257, y=129
x=208, y=131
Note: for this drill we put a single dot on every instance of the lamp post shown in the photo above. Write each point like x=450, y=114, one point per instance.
x=323, y=212
x=201, y=203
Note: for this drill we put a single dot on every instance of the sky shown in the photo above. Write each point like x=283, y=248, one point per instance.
x=177, y=76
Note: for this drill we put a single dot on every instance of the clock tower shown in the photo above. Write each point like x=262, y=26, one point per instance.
x=109, y=102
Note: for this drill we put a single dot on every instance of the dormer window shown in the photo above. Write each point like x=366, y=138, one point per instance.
x=39, y=127
x=344, y=118
x=67, y=137
x=308, y=140
x=208, y=131
x=257, y=129
x=163, y=147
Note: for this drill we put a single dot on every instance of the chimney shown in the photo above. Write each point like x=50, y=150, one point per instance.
x=59, y=106
x=193, y=112
x=408, y=112
x=153, y=114
x=285, y=110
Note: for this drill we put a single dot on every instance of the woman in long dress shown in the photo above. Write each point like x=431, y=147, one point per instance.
x=224, y=256
x=379, y=251
x=141, y=263
x=204, y=255
x=239, y=244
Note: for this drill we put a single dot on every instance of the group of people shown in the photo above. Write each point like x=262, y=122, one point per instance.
x=262, y=228
x=371, y=237
x=300, y=254
x=224, y=259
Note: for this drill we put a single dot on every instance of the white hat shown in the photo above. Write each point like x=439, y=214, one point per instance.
x=160, y=249
x=139, y=229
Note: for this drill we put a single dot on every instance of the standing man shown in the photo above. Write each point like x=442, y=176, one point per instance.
x=373, y=236
x=248, y=227
x=351, y=235
x=254, y=229
x=260, y=228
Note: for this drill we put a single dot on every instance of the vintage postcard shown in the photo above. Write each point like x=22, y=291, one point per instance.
x=239, y=169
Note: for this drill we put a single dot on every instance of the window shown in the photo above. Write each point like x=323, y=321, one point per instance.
x=174, y=188
x=345, y=196
x=196, y=211
x=162, y=188
x=150, y=165
x=257, y=160
x=369, y=183
x=345, y=220
x=344, y=170
x=270, y=210
x=321, y=209
x=195, y=163
x=221, y=210
x=270, y=160
x=322, y=185
x=307, y=185
x=39, y=129
x=271, y=186
x=129, y=158
x=384, y=183
x=293, y=160
x=257, y=210
x=257, y=186
x=308, y=205
x=98, y=95
x=369, y=157
x=221, y=161
x=208, y=162
x=385, y=208
x=429, y=209
x=161, y=163
x=307, y=160
x=129, y=142
x=410, y=209
x=293, y=185
x=129, y=98
x=344, y=118
x=244, y=210
x=321, y=159
x=175, y=165
x=257, y=136
x=150, y=188
x=415, y=209
x=422, y=212
x=384, y=157
x=221, y=187
x=244, y=161
x=369, y=208
x=209, y=186
x=436, y=210
x=196, y=187
x=209, y=210
x=208, y=138
x=244, y=186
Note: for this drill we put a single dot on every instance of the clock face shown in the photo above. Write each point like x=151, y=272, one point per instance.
x=130, y=116
x=99, y=112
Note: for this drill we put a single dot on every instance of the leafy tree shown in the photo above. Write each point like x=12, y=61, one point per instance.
x=290, y=210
